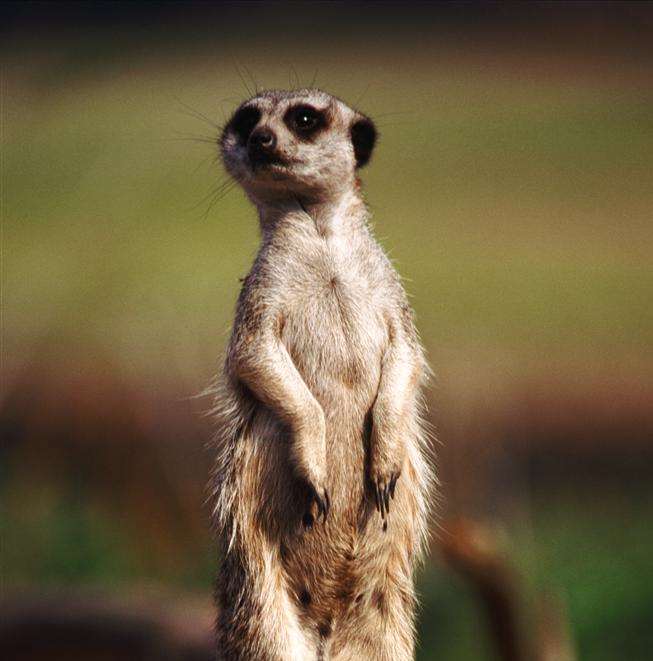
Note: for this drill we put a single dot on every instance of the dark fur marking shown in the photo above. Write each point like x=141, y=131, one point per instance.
x=244, y=121
x=307, y=520
x=324, y=628
x=305, y=598
x=283, y=552
x=378, y=600
x=343, y=595
x=363, y=138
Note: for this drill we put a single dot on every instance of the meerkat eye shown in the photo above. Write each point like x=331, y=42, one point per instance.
x=244, y=121
x=304, y=119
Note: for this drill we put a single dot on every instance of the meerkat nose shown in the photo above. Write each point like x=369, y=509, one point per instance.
x=262, y=139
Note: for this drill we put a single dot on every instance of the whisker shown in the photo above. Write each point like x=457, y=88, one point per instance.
x=395, y=113
x=196, y=138
x=293, y=73
x=381, y=124
x=220, y=194
x=214, y=191
x=251, y=79
x=360, y=98
x=203, y=163
x=231, y=100
x=242, y=78
x=196, y=113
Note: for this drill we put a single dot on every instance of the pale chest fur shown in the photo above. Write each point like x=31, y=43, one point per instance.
x=334, y=323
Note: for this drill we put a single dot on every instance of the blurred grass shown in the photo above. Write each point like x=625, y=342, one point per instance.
x=595, y=549
x=518, y=210
x=596, y=558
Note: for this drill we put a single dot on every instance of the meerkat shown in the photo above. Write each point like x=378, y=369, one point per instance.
x=321, y=482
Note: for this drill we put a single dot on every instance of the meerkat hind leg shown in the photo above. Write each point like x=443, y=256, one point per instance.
x=258, y=619
x=382, y=632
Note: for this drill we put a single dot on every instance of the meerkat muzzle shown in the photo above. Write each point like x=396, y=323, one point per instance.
x=261, y=147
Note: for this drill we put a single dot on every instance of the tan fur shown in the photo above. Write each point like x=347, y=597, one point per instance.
x=319, y=404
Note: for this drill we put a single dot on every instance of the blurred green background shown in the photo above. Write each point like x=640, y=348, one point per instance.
x=512, y=186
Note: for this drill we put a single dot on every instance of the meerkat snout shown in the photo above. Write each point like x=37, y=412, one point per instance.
x=303, y=143
x=261, y=148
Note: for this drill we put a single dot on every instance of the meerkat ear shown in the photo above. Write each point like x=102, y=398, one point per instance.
x=363, y=137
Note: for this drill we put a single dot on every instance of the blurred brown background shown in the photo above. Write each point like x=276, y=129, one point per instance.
x=511, y=186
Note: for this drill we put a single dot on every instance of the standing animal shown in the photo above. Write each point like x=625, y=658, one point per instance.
x=321, y=481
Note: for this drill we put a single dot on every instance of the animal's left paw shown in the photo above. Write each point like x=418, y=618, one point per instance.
x=322, y=501
x=318, y=506
x=383, y=490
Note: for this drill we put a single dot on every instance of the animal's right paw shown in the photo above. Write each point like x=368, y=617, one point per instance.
x=320, y=502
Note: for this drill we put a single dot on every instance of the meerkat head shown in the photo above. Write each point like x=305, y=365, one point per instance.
x=305, y=144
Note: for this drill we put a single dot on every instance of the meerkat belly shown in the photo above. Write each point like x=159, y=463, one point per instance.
x=336, y=337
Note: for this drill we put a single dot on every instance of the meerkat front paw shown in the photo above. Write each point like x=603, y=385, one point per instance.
x=383, y=489
x=320, y=502
x=385, y=468
x=310, y=461
x=386, y=460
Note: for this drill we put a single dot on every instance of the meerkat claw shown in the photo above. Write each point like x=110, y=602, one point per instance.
x=393, y=484
x=383, y=493
x=377, y=498
x=323, y=503
x=381, y=497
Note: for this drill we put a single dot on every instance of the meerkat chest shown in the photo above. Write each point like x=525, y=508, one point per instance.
x=334, y=323
x=332, y=279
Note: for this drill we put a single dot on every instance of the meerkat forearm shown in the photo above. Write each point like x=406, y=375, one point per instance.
x=400, y=374
x=266, y=368
x=397, y=386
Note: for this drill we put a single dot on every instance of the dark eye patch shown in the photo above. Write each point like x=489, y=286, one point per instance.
x=305, y=121
x=244, y=121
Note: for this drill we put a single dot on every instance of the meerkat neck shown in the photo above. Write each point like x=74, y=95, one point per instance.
x=338, y=215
